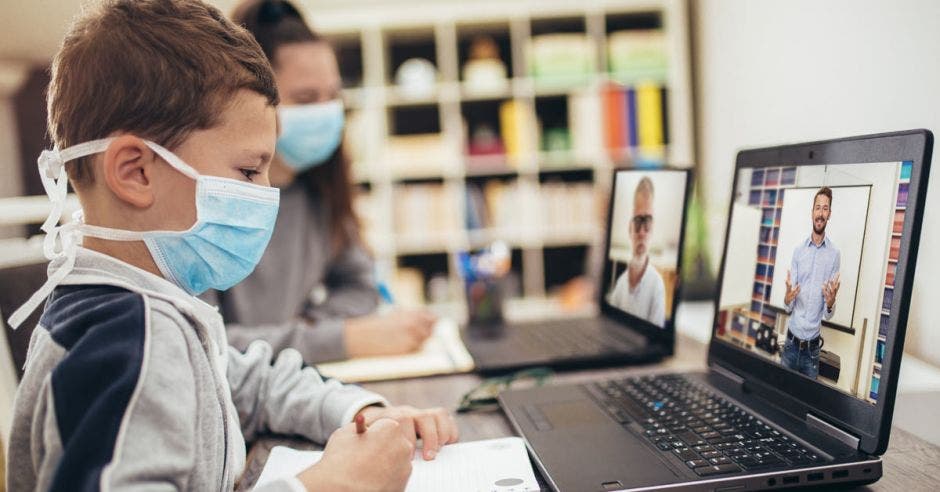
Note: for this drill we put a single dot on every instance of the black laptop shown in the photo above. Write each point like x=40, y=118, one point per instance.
x=802, y=372
x=637, y=292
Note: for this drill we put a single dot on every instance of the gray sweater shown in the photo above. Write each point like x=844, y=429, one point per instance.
x=130, y=385
x=277, y=303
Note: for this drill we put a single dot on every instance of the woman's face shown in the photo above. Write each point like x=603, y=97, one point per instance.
x=305, y=73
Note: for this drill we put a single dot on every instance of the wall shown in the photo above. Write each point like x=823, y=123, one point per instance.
x=778, y=72
x=12, y=75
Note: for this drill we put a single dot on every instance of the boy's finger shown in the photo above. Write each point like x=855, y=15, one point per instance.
x=452, y=426
x=427, y=428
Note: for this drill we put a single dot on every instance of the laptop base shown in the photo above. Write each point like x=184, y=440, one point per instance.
x=559, y=344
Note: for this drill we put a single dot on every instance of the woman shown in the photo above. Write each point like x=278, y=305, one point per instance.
x=314, y=288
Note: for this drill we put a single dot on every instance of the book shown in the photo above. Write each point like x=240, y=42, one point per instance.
x=561, y=58
x=637, y=55
x=442, y=353
x=517, y=125
x=475, y=466
x=614, y=102
x=649, y=114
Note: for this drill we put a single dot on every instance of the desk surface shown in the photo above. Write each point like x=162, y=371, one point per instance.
x=910, y=463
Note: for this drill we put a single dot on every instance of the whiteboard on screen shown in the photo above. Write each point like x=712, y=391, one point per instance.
x=846, y=229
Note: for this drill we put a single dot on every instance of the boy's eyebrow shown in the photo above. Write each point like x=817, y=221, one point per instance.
x=262, y=156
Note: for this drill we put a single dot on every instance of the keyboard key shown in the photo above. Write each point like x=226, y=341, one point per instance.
x=686, y=454
x=721, y=460
x=706, y=471
x=690, y=437
x=696, y=463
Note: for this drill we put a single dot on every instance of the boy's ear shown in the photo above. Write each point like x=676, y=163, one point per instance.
x=127, y=169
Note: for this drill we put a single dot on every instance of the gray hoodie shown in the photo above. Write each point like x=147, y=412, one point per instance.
x=130, y=383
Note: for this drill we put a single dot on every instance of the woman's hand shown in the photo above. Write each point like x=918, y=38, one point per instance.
x=397, y=332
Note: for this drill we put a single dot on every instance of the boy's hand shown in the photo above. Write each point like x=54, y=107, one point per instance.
x=377, y=460
x=435, y=426
x=397, y=332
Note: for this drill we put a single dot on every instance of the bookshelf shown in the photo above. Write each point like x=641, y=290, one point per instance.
x=429, y=191
x=891, y=264
x=766, y=191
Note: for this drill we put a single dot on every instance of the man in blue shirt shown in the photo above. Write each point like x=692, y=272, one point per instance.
x=812, y=284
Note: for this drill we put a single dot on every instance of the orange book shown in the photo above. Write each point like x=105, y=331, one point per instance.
x=614, y=102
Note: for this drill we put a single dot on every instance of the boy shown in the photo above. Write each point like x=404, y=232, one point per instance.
x=129, y=380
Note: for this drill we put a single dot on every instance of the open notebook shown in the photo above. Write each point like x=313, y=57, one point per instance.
x=442, y=353
x=478, y=466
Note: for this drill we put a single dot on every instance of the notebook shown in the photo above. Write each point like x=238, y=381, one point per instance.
x=478, y=466
x=442, y=353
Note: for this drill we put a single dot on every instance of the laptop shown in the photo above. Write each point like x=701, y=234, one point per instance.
x=636, y=296
x=801, y=383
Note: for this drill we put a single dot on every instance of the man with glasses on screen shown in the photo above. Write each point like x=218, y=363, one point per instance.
x=640, y=290
x=812, y=284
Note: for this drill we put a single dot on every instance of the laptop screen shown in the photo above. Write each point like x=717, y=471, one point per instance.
x=809, y=275
x=642, y=261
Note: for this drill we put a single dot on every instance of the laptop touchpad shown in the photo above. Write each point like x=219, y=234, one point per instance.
x=572, y=413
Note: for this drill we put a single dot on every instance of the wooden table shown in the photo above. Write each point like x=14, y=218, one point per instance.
x=911, y=464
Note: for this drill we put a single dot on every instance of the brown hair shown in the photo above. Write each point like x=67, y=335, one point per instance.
x=824, y=191
x=275, y=23
x=157, y=68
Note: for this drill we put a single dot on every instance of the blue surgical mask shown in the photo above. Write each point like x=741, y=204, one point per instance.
x=234, y=222
x=310, y=133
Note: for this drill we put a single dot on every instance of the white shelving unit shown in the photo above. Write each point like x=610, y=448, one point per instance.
x=439, y=31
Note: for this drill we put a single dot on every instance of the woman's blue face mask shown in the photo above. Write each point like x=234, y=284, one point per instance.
x=310, y=133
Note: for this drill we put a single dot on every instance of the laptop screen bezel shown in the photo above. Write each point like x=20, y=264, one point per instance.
x=664, y=335
x=869, y=422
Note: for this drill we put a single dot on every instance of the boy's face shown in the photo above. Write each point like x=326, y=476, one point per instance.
x=239, y=147
x=641, y=224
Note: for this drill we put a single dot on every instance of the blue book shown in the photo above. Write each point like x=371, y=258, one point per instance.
x=632, y=122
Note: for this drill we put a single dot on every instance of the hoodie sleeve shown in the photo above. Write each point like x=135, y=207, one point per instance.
x=284, y=396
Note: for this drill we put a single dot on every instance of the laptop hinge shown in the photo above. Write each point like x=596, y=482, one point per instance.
x=832, y=431
x=728, y=374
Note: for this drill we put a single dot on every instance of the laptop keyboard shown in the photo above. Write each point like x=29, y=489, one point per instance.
x=708, y=433
x=564, y=339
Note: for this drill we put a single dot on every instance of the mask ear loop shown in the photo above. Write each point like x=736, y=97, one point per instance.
x=69, y=237
x=60, y=240
x=55, y=181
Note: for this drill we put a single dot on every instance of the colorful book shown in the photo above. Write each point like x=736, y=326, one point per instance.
x=649, y=110
x=632, y=121
x=614, y=101
x=518, y=130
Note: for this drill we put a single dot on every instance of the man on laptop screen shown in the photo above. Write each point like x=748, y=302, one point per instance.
x=639, y=290
x=812, y=284
x=645, y=229
x=790, y=294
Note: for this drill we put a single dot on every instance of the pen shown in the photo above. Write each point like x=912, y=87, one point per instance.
x=360, y=424
x=385, y=293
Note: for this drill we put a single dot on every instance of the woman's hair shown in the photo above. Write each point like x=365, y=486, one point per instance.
x=275, y=23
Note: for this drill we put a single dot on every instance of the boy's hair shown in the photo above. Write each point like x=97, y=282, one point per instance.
x=159, y=69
